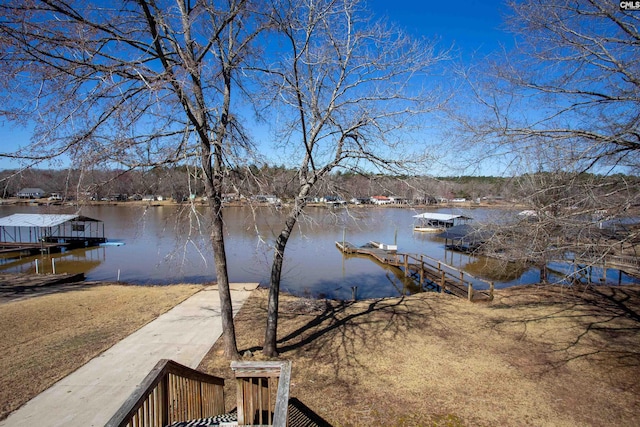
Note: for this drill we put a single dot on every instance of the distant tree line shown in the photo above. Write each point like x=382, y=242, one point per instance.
x=178, y=183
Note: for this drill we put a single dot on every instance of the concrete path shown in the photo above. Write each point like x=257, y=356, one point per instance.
x=92, y=394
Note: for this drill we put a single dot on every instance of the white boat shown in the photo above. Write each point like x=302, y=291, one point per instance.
x=430, y=222
x=383, y=246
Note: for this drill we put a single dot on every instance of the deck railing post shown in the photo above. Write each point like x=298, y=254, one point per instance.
x=491, y=286
x=406, y=265
x=470, y=291
x=442, y=281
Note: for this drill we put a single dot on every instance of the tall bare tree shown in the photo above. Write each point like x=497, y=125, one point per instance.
x=562, y=109
x=130, y=84
x=348, y=91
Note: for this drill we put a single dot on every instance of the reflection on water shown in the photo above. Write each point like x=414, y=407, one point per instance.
x=168, y=244
x=82, y=260
x=495, y=269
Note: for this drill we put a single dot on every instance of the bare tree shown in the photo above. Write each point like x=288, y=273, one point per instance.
x=130, y=84
x=567, y=95
x=345, y=88
x=562, y=110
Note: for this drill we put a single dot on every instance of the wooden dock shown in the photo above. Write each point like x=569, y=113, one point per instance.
x=31, y=248
x=429, y=273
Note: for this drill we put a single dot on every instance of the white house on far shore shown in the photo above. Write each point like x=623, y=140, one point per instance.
x=31, y=193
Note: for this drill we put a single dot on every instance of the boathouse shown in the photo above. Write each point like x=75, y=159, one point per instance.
x=49, y=232
x=434, y=222
x=465, y=238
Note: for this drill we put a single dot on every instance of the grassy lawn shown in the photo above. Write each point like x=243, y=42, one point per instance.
x=44, y=338
x=536, y=355
x=539, y=356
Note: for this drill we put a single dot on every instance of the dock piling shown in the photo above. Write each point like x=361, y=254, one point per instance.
x=428, y=271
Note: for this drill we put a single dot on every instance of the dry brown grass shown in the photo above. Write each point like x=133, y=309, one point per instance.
x=44, y=338
x=540, y=356
x=543, y=356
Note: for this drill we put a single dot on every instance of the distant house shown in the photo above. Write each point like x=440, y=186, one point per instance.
x=31, y=193
x=398, y=200
x=267, y=198
x=380, y=200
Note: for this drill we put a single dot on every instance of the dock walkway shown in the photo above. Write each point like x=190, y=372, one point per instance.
x=427, y=272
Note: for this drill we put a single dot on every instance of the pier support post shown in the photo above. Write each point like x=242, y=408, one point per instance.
x=470, y=291
x=406, y=265
x=344, y=238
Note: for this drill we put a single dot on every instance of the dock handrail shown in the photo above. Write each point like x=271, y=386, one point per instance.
x=470, y=279
x=449, y=278
x=256, y=389
x=171, y=392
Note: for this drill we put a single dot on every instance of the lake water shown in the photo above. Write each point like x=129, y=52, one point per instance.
x=169, y=244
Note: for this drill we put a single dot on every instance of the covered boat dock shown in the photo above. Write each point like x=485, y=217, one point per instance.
x=49, y=232
x=465, y=238
x=431, y=222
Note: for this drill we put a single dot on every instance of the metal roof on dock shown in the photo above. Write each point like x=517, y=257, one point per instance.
x=440, y=216
x=41, y=220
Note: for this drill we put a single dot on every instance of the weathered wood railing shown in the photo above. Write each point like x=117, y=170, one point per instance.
x=448, y=277
x=263, y=392
x=171, y=392
x=428, y=270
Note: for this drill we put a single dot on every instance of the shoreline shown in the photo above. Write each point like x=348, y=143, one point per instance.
x=198, y=202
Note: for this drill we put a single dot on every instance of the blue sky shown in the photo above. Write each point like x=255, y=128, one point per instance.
x=472, y=27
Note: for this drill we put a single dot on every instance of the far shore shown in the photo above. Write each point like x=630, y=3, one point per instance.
x=202, y=202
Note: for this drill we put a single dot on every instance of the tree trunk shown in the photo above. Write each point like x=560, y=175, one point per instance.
x=222, y=277
x=270, y=348
x=543, y=274
x=271, y=334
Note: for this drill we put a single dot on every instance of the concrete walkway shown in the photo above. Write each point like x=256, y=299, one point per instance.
x=92, y=394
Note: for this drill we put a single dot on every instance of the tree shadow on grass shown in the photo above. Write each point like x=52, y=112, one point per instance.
x=596, y=323
x=332, y=340
x=338, y=331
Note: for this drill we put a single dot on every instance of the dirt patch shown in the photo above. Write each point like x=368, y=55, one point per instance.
x=44, y=338
x=534, y=356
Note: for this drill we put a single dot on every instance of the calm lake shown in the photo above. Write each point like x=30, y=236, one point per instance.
x=169, y=244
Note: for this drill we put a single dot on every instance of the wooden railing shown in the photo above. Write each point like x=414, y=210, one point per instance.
x=446, y=276
x=171, y=392
x=263, y=392
x=427, y=270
